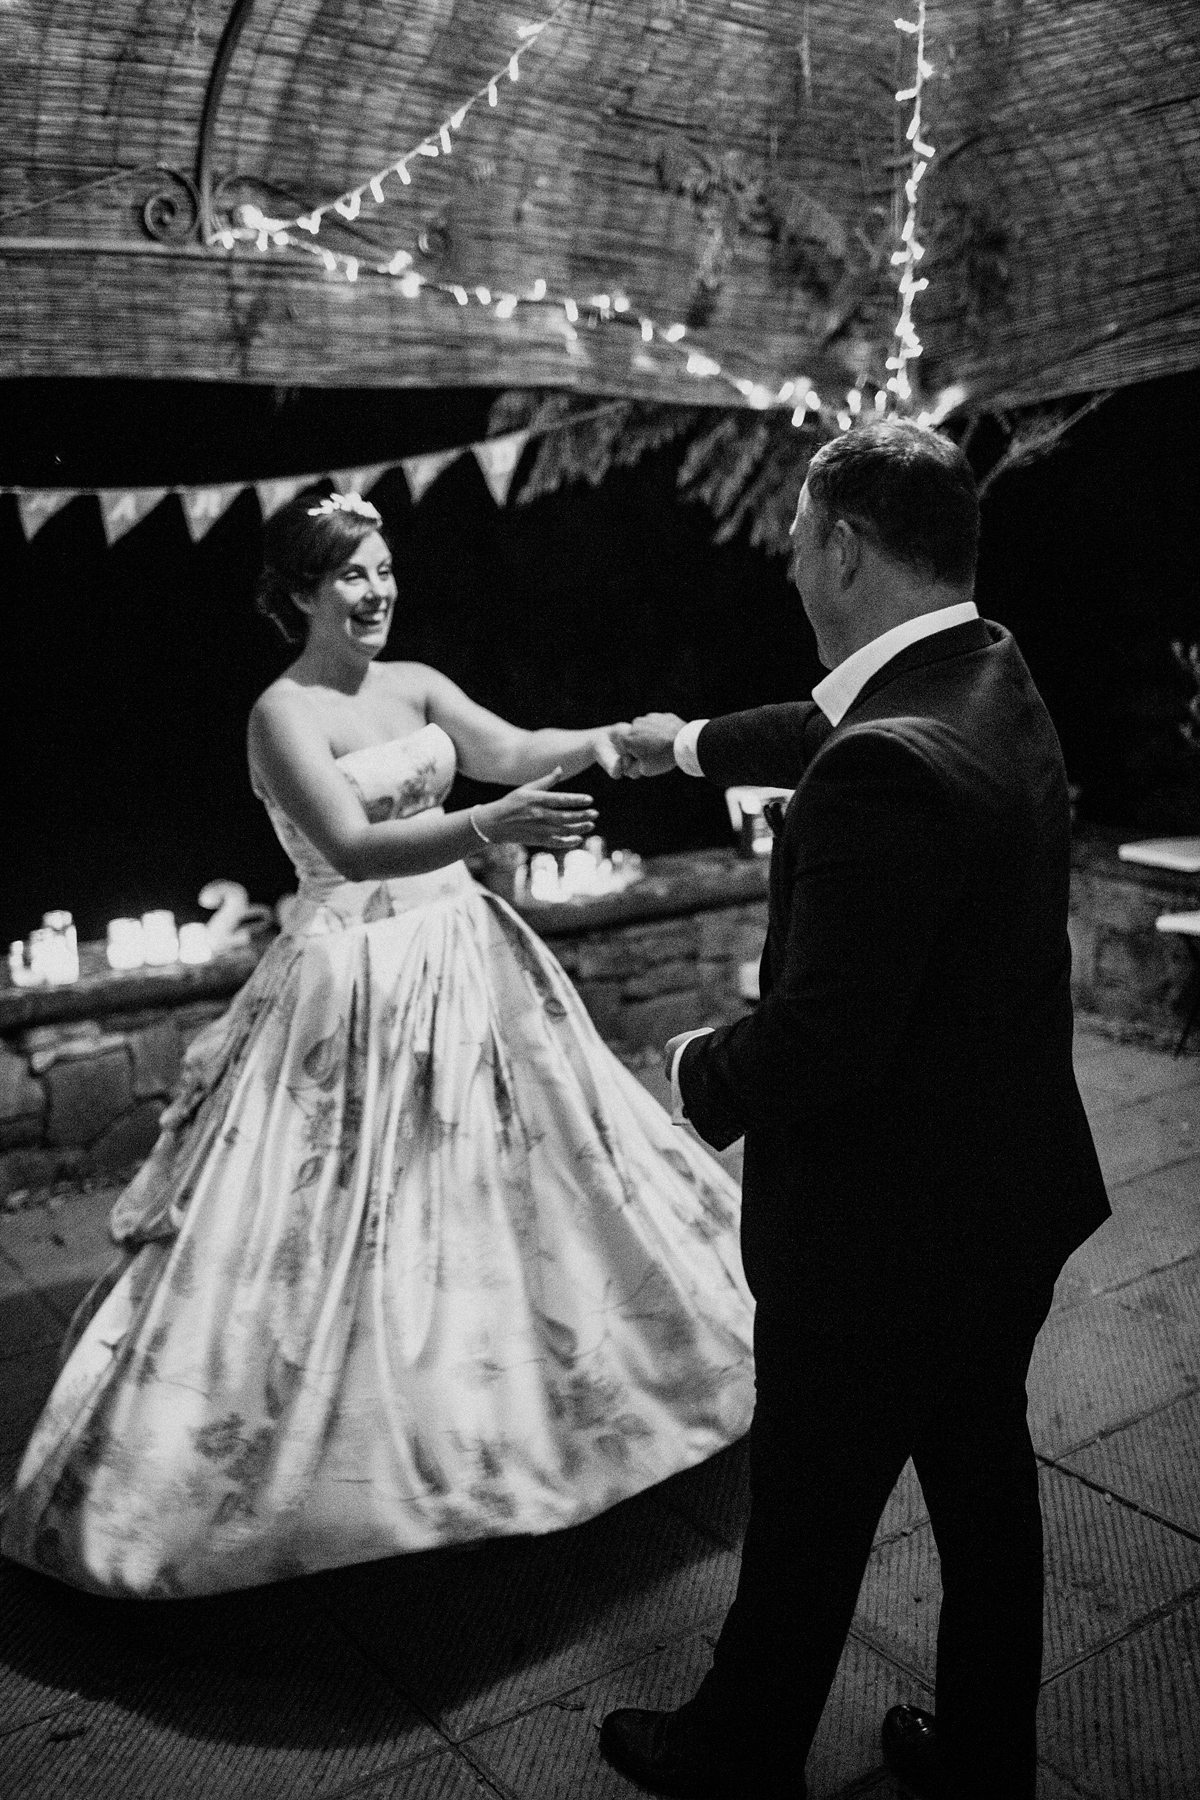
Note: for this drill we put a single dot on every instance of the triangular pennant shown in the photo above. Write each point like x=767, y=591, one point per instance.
x=274, y=494
x=498, y=458
x=36, y=505
x=359, y=481
x=202, y=507
x=421, y=472
x=122, y=508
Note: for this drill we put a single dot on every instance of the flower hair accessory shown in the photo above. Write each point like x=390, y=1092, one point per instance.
x=345, y=503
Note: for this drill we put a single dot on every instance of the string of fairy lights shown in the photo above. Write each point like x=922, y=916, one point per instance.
x=302, y=233
x=906, y=258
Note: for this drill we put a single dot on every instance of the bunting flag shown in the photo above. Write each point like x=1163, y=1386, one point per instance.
x=36, y=505
x=498, y=458
x=359, y=481
x=274, y=494
x=202, y=507
x=421, y=472
x=122, y=508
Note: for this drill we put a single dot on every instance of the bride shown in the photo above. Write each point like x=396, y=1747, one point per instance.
x=415, y=1260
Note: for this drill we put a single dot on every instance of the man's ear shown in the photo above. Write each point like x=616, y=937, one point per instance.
x=847, y=551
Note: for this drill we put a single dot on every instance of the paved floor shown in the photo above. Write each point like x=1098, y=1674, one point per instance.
x=486, y=1671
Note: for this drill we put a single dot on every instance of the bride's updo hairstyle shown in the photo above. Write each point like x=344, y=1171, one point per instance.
x=304, y=542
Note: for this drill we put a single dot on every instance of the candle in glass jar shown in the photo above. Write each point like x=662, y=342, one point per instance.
x=160, y=937
x=195, y=945
x=62, y=947
x=126, y=944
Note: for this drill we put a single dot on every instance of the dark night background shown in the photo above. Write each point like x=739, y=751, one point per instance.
x=128, y=673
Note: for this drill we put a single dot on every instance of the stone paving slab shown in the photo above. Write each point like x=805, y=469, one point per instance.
x=446, y=1777
x=247, y=1693
x=552, y=1753
x=905, y=1510
x=1125, y=1725
x=24, y=1385
x=60, y=1249
x=1150, y=1134
x=714, y=1497
x=1155, y=1223
x=476, y=1635
x=1108, y=1569
x=1107, y=1361
x=1155, y=1463
x=26, y=1322
x=1114, y=1074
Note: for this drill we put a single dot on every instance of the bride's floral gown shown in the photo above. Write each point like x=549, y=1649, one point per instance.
x=415, y=1260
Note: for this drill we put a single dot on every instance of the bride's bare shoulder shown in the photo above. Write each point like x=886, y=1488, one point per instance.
x=410, y=682
x=283, y=706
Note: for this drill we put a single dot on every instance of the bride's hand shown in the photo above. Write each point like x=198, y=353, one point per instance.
x=608, y=749
x=531, y=814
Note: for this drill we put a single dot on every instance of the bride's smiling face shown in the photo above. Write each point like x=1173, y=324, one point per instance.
x=353, y=605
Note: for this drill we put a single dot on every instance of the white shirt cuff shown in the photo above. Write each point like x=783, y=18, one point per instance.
x=685, y=747
x=678, y=1117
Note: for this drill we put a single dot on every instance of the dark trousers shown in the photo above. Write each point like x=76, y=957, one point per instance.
x=836, y=1419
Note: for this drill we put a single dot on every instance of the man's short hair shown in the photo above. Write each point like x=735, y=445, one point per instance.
x=909, y=488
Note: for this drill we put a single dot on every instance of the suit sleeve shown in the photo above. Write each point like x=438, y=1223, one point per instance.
x=769, y=746
x=874, y=871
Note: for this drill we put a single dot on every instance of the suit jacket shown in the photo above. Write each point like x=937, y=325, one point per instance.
x=905, y=1084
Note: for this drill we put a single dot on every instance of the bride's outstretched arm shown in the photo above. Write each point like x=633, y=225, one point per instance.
x=293, y=762
x=490, y=749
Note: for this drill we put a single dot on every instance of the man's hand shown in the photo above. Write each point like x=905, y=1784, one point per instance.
x=648, y=745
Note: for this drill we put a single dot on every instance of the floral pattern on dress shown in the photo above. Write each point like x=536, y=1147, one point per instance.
x=415, y=1260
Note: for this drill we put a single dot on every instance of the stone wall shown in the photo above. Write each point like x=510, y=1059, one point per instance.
x=1126, y=976
x=82, y=1097
x=85, y=1071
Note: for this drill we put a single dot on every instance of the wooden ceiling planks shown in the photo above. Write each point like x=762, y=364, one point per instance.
x=1061, y=212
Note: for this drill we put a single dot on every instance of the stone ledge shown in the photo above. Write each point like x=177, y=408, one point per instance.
x=85, y=1070
x=101, y=990
x=673, y=887
x=1127, y=978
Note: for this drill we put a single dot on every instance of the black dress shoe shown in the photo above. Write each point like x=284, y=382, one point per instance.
x=665, y=1753
x=910, y=1752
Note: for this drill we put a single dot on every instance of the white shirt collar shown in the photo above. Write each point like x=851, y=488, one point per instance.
x=836, y=694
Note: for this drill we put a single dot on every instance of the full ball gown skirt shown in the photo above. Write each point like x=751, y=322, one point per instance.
x=415, y=1260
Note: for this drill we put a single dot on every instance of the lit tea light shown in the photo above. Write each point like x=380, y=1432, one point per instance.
x=195, y=944
x=126, y=948
x=159, y=937
x=53, y=950
x=584, y=874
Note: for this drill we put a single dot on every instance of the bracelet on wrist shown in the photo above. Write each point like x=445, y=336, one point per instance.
x=481, y=835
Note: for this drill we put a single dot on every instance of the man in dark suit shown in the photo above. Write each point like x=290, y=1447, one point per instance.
x=918, y=1164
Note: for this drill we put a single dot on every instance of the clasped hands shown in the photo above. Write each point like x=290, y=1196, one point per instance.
x=647, y=747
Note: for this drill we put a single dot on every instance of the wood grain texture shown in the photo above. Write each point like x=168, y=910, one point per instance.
x=1061, y=212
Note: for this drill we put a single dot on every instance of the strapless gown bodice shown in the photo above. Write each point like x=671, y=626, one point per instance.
x=393, y=780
